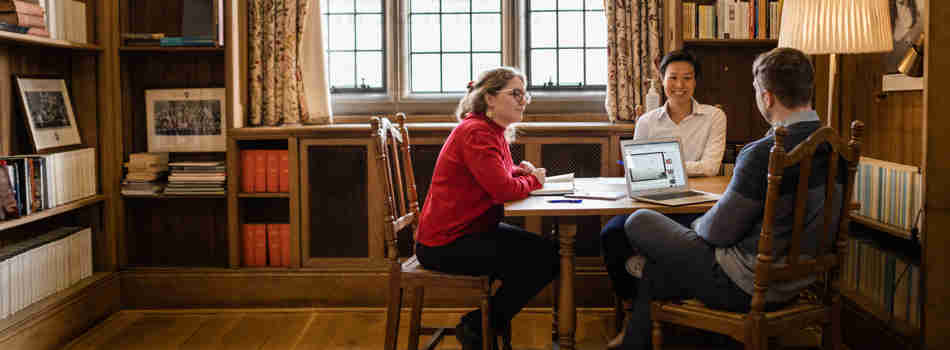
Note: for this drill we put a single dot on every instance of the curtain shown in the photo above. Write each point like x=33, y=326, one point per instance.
x=634, y=46
x=284, y=89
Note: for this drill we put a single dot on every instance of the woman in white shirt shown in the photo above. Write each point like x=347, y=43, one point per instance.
x=702, y=133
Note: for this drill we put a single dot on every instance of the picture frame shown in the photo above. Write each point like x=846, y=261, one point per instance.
x=48, y=110
x=186, y=120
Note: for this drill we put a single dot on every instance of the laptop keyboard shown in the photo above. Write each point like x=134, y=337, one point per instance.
x=674, y=195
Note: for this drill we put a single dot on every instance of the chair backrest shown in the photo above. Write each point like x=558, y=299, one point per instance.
x=394, y=166
x=828, y=258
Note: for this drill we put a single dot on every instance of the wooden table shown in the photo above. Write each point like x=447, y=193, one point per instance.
x=539, y=206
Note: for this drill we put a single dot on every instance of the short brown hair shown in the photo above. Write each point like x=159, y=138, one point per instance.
x=786, y=73
x=489, y=82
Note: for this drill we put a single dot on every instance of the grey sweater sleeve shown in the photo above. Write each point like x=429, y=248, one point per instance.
x=741, y=206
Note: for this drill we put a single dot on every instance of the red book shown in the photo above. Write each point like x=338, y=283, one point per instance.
x=23, y=20
x=260, y=245
x=260, y=170
x=273, y=171
x=247, y=171
x=249, y=259
x=273, y=244
x=284, y=181
x=285, y=244
x=21, y=7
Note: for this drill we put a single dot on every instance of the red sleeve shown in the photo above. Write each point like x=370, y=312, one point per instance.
x=484, y=158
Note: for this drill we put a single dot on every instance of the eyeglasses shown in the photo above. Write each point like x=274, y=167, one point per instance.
x=518, y=94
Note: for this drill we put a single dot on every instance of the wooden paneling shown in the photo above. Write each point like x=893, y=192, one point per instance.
x=174, y=288
x=726, y=79
x=177, y=232
x=164, y=70
x=147, y=16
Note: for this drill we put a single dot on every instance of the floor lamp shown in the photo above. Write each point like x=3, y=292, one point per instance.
x=833, y=27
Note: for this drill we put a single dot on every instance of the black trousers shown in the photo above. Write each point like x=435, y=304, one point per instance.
x=524, y=262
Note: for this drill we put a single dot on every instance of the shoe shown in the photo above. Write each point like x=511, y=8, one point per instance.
x=470, y=338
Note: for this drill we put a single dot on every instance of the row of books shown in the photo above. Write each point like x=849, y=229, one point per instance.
x=266, y=245
x=146, y=173
x=41, y=266
x=889, y=193
x=890, y=281
x=733, y=19
x=265, y=171
x=24, y=17
x=40, y=182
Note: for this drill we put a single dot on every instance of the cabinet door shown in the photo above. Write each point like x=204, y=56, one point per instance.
x=341, y=214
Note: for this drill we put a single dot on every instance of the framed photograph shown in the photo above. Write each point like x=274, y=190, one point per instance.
x=185, y=120
x=48, y=111
x=907, y=22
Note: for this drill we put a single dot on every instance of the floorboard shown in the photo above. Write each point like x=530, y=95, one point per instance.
x=329, y=329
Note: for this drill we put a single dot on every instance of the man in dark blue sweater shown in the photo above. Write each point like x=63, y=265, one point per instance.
x=714, y=259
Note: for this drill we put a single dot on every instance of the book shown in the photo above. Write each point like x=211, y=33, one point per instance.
x=556, y=185
x=30, y=8
x=610, y=195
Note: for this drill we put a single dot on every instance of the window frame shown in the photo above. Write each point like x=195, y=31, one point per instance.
x=399, y=98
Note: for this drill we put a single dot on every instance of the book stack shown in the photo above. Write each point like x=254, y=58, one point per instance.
x=42, y=181
x=196, y=178
x=24, y=17
x=146, y=172
x=142, y=39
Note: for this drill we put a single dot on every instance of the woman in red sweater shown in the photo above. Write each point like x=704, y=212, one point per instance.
x=460, y=229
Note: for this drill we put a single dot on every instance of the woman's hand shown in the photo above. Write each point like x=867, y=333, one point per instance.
x=540, y=174
x=525, y=168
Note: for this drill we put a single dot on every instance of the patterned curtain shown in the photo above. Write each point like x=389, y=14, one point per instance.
x=634, y=44
x=279, y=31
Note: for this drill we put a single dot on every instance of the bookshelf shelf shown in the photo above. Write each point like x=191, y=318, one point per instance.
x=731, y=42
x=56, y=300
x=877, y=225
x=264, y=195
x=211, y=49
x=173, y=196
x=33, y=40
x=8, y=224
x=901, y=326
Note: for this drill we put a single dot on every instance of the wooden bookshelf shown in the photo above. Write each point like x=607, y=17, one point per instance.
x=33, y=40
x=880, y=226
x=8, y=224
x=211, y=49
x=865, y=303
x=55, y=300
x=264, y=195
x=730, y=42
x=172, y=196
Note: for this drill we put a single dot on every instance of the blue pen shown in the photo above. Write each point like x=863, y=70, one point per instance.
x=565, y=200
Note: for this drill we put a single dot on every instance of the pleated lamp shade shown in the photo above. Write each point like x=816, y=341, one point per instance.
x=836, y=26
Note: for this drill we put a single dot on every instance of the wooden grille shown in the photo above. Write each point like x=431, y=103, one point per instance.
x=339, y=226
x=584, y=160
x=177, y=232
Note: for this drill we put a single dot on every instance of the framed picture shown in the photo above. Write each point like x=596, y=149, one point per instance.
x=185, y=120
x=907, y=22
x=48, y=111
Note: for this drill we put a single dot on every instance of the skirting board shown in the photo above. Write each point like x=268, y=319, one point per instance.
x=900, y=82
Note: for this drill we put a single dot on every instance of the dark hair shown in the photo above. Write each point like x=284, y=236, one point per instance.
x=786, y=73
x=679, y=56
x=489, y=82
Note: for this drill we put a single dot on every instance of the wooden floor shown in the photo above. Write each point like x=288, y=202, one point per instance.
x=329, y=329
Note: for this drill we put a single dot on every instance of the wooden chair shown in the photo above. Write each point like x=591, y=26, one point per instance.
x=824, y=307
x=394, y=165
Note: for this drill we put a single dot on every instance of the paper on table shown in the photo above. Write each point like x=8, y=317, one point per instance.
x=560, y=184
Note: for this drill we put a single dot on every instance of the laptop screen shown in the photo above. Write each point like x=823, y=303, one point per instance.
x=654, y=165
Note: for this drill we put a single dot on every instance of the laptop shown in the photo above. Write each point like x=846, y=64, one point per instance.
x=655, y=173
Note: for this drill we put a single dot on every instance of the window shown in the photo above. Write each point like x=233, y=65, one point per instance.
x=426, y=57
x=450, y=42
x=567, y=45
x=354, y=35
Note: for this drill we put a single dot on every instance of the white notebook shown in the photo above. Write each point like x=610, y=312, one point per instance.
x=556, y=185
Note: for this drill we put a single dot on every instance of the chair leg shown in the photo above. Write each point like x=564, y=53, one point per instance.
x=488, y=335
x=415, y=318
x=756, y=342
x=657, y=335
x=392, y=318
